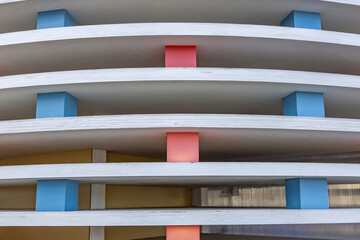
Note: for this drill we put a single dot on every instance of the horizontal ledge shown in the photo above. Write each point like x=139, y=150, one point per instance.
x=270, y=12
x=142, y=45
x=199, y=174
x=202, y=74
x=166, y=217
x=348, y=2
x=104, y=91
x=222, y=136
x=179, y=29
x=181, y=122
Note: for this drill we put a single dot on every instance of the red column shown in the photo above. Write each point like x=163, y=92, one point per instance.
x=183, y=147
x=180, y=56
x=183, y=233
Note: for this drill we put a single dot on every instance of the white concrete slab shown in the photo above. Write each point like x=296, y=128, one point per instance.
x=230, y=90
x=198, y=174
x=142, y=45
x=222, y=136
x=165, y=217
x=338, y=15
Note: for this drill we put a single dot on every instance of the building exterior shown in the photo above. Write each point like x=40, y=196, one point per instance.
x=179, y=120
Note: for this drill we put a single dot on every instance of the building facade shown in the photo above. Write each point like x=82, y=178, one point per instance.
x=179, y=120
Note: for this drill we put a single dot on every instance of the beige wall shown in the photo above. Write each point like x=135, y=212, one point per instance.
x=147, y=197
x=24, y=197
x=114, y=157
x=127, y=233
x=44, y=233
x=77, y=156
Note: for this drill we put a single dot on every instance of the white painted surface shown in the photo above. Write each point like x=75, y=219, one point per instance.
x=182, y=122
x=98, y=196
x=165, y=75
x=179, y=29
x=22, y=15
x=230, y=90
x=351, y=2
x=98, y=156
x=97, y=233
x=10, y=1
x=163, y=217
x=142, y=45
x=222, y=136
x=98, y=193
x=203, y=173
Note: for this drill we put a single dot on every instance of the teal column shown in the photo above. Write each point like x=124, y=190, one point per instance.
x=306, y=193
x=57, y=104
x=306, y=104
x=57, y=195
x=54, y=19
x=301, y=19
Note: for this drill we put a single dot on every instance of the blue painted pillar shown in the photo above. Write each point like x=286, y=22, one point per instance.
x=57, y=195
x=57, y=104
x=307, y=193
x=54, y=19
x=301, y=19
x=307, y=104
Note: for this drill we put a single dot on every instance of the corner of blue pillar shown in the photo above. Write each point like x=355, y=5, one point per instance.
x=307, y=193
x=301, y=19
x=57, y=104
x=57, y=195
x=306, y=104
x=54, y=19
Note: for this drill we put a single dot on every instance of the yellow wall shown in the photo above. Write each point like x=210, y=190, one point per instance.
x=127, y=233
x=44, y=233
x=24, y=197
x=114, y=157
x=77, y=156
x=147, y=197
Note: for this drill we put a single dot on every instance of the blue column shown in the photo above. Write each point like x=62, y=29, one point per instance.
x=307, y=104
x=57, y=195
x=300, y=19
x=58, y=104
x=55, y=18
x=306, y=193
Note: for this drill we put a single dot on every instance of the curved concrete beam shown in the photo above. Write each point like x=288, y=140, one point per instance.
x=178, y=29
x=166, y=217
x=165, y=75
x=193, y=174
x=222, y=136
x=103, y=91
x=142, y=45
x=19, y=15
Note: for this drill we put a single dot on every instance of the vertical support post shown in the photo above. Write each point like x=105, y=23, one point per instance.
x=98, y=196
x=306, y=193
x=180, y=56
x=55, y=18
x=301, y=19
x=307, y=104
x=183, y=147
x=57, y=104
x=183, y=233
x=57, y=195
